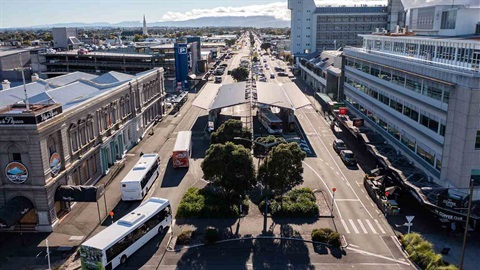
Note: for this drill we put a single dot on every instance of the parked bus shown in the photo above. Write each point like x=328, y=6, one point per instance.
x=116, y=243
x=138, y=181
x=182, y=149
x=270, y=121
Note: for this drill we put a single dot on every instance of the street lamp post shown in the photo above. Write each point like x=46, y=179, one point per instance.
x=267, y=146
x=466, y=224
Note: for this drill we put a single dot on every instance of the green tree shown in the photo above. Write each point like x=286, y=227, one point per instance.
x=230, y=167
x=285, y=168
x=260, y=150
x=265, y=46
x=288, y=58
x=229, y=130
x=240, y=74
x=230, y=42
x=137, y=37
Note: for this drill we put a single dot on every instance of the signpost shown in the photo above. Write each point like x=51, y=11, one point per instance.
x=409, y=222
x=333, y=199
x=111, y=216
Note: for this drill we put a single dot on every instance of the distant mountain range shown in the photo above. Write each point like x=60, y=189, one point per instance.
x=226, y=21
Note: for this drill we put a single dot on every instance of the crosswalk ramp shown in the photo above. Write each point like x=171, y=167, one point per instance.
x=365, y=226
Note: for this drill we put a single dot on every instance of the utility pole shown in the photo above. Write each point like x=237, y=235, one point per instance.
x=466, y=224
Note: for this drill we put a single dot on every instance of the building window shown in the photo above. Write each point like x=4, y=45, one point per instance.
x=14, y=153
x=74, y=137
x=448, y=19
x=477, y=140
x=51, y=145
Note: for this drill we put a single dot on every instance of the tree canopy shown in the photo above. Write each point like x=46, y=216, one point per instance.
x=230, y=167
x=285, y=168
x=240, y=74
x=230, y=42
x=229, y=130
x=265, y=46
x=260, y=150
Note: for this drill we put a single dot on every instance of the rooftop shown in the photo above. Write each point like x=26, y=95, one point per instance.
x=351, y=10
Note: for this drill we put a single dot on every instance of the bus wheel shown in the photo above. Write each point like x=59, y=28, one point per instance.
x=123, y=259
x=161, y=230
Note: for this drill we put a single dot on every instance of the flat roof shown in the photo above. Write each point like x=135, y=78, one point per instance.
x=120, y=228
x=286, y=95
x=206, y=96
x=95, y=53
x=10, y=51
x=183, y=142
x=229, y=95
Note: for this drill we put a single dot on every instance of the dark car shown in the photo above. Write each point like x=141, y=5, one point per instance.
x=348, y=157
x=279, y=69
x=224, y=65
x=282, y=74
x=339, y=145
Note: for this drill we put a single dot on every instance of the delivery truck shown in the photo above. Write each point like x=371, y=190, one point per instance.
x=182, y=149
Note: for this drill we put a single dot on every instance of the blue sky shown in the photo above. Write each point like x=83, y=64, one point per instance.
x=21, y=13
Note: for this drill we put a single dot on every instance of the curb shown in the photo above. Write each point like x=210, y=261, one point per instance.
x=249, y=238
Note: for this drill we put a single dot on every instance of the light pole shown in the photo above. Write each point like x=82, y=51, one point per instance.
x=466, y=224
x=267, y=146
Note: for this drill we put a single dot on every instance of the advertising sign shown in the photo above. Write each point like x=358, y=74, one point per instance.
x=55, y=164
x=342, y=110
x=16, y=172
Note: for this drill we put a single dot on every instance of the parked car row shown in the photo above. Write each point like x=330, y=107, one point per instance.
x=346, y=155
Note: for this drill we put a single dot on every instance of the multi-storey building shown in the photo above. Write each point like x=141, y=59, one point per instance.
x=423, y=92
x=328, y=28
x=75, y=128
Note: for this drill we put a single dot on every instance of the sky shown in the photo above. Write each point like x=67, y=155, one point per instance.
x=24, y=13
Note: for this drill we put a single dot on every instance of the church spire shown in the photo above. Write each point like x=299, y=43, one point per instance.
x=145, y=31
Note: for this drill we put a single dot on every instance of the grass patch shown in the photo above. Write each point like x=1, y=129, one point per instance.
x=201, y=203
x=421, y=252
x=327, y=236
x=297, y=203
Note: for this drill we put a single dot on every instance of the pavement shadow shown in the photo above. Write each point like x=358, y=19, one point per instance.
x=173, y=176
x=298, y=221
x=281, y=254
x=199, y=148
x=18, y=251
x=217, y=256
x=200, y=124
x=120, y=210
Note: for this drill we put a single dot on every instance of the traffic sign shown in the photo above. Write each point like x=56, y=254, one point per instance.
x=334, y=189
x=409, y=218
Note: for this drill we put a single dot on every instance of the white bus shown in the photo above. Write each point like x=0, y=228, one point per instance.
x=138, y=181
x=116, y=243
x=270, y=121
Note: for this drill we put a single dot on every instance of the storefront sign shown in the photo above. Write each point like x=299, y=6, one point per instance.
x=55, y=164
x=16, y=172
x=29, y=119
x=342, y=110
x=447, y=216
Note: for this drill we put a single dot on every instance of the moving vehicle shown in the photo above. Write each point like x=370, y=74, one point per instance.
x=138, y=181
x=218, y=79
x=270, y=121
x=272, y=75
x=116, y=243
x=182, y=149
x=282, y=74
x=339, y=145
x=348, y=157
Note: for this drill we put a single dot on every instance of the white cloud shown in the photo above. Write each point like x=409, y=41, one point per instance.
x=279, y=10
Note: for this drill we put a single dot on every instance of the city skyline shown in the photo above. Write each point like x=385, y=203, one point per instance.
x=36, y=13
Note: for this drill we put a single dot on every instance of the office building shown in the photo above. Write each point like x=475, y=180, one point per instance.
x=422, y=93
x=65, y=38
x=328, y=28
x=76, y=128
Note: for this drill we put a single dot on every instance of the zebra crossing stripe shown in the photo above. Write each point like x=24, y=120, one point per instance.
x=371, y=227
x=380, y=226
x=362, y=226
x=353, y=226
x=345, y=226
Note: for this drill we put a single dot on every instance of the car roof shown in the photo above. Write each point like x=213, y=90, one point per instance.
x=338, y=141
x=347, y=152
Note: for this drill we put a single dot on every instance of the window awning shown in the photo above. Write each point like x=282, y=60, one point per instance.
x=78, y=193
x=13, y=211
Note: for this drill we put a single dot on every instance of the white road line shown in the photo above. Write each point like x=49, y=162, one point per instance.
x=328, y=165
x=379, y=226
x=362, y=191
x=345, y=226
x=362, y=226
x=346, y=200
x=372, y=204
x=353, y=245
x=337, y=173
x=371, y=227
x=376, y=210
x=354, y=227
x=333, y=169
x=171, y=226
x=376, y=255
x=367, y=196
x=318, y=135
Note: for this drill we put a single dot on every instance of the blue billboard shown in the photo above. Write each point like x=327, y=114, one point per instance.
x=181, y=64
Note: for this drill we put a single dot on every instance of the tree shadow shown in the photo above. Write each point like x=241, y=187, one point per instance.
x=296, y=221
x=281, y=254
x=173, y=176
x=199, y=148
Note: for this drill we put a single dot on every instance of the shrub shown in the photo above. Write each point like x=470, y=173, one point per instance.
x=184, y=237
x=211, y=235
x=202, y=203
x=299, y=203
x=327, y=236
x=421, y=252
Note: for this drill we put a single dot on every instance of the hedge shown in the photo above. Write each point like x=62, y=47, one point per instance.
x=202, y=203
x=421, y=253
x=184, y=237
x=327, y=236
x=297, y=203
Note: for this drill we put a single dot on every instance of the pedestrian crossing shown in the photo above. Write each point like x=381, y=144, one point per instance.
x=359, y=226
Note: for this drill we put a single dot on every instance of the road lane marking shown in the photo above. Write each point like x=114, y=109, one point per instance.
x=331, y=168
x=345, y=226
x=362, y=190
x=354, y=227
x=346, y=200
x=371, y=226
x=372, y=204
x=362, y=226
x=379, y=226
x=376, y=255
x=353, y=245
